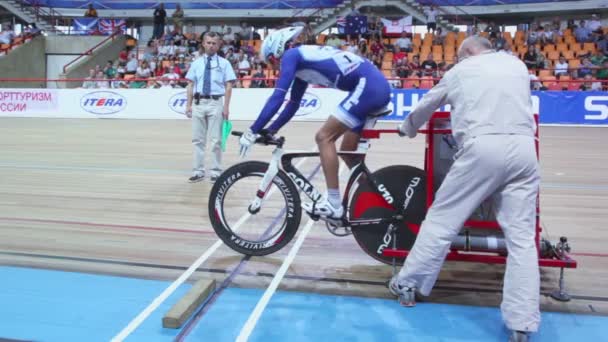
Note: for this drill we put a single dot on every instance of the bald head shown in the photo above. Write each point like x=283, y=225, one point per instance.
x=473, y=46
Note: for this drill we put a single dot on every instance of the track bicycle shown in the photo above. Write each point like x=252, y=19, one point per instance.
x=254, y=206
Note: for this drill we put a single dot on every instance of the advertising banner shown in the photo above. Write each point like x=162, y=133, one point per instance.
x=554, y=107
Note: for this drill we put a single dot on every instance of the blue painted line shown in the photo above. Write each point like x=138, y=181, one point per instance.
x=203, y=309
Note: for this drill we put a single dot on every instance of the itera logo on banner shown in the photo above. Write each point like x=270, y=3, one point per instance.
x=177, y=103
x=310, y=103
x=103, y=102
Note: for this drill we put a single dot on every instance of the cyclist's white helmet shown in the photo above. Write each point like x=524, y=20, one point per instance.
x=274, y=44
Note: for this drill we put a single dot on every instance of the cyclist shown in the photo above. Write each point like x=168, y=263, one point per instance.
x=301, y=65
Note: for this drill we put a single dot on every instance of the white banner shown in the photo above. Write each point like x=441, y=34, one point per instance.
x=246, y=104
x=28, y=100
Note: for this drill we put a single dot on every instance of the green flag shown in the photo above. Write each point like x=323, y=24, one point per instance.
x=226, y=129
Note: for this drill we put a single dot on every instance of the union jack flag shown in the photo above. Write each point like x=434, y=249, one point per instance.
x=108, y=26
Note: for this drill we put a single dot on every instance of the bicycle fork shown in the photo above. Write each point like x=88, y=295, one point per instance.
x=273, y=169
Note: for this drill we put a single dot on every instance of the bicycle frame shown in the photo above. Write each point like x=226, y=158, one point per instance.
x=283, y=161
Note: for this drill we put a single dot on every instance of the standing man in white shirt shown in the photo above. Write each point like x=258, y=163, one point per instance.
x=431, y=18
x=210, y=80
x=493, y=125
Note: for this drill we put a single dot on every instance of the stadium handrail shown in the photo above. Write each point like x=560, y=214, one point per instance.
x=91, y=50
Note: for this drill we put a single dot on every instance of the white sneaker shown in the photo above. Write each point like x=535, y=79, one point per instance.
x=407, y=295
x=323, y=209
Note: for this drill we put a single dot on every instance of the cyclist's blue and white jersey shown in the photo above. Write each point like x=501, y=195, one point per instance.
x=324, y=66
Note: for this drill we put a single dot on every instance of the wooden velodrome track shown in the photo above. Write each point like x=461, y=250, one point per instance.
x=111, y=197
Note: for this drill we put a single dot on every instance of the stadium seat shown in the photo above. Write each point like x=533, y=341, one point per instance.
x=553, y=55
x=568, y=54
x=246, y=81
x=426, y=82
x=589, y=47
x=548, y=81
x=411, y=83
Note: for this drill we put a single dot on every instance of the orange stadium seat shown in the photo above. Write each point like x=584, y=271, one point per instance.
x=589, y=47
x=574, y=63
x=246, y=81
x=426, y=82
x=548, y=80
x=553, y=55
x=568, y=54
x=411, y=83
x=549, y=48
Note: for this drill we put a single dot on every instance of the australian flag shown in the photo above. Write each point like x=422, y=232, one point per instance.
x=356, y=24
x=109, y=26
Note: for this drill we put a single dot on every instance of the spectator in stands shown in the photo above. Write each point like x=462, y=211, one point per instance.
x=404, y=43
x=377, y=48
x=333, y=40
x=589, y=84
x=89, y=82
x=561, y=66
x=534, y=82
x=582, y=33
x=131, y=67
x=555, y=33
x=119, y=82
x=123, y=56
x=594, y=24
x=362, y=47
x=532, y=36
x=102, y=81
x=493, y=30
x=374, y=27
x=394, y=80
x=258, y=78
x=438, y=37
x=109, y=70
x=7, y=34
x=531, y=57
x=160, y=17
x=376, y=60
x=243, y=67
x=91, y=12
x=431, y=18
x=598, y=58
x=602, y=72
x=585, y=68
x=403, y=68
x=415, y=66
x=398, y=56
x=151, y=50
x=171, y=75
x=178, y=18
x=143, y=71
x=429, y=67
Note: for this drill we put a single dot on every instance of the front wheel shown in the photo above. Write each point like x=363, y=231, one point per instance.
x=254, y=232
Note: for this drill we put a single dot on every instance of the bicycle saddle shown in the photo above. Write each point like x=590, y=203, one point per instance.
x=384, y=111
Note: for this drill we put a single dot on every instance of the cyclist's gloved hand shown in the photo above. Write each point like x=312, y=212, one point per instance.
x=246, y=140
x=406, y=130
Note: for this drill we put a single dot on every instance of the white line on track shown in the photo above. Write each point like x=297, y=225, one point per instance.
x=254, y=317
x=139, y=319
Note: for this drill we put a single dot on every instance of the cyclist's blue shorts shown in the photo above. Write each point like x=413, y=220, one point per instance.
x=371, y=94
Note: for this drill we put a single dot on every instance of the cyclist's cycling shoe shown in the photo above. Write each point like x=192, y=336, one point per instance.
x=323, y=209
x=407, y=295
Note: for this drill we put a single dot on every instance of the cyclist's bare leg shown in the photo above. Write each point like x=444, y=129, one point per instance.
x=326, y=140
x=350, y=141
